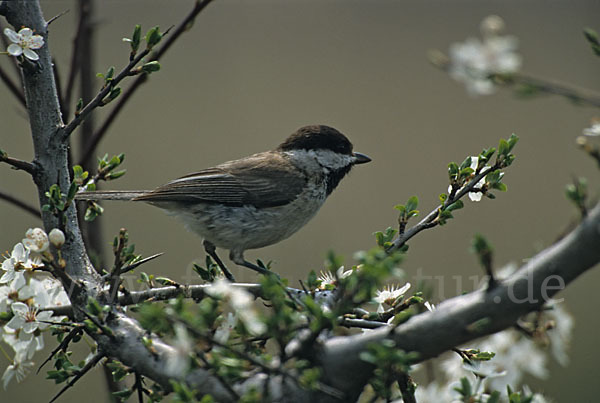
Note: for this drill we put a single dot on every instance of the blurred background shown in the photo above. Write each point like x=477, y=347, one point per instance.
x=249, y=73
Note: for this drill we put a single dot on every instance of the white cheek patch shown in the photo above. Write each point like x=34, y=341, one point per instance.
x=327, y=159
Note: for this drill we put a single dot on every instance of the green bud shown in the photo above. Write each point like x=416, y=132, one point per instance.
x=151, y=67
x=153, y=37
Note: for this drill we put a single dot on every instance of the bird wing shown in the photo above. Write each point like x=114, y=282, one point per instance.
x=261, y=180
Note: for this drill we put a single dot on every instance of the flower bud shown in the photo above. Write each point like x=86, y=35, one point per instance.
x=36, y=240
x=57, y=238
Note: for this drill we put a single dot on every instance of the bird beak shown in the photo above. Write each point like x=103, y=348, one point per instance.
x=361, y=158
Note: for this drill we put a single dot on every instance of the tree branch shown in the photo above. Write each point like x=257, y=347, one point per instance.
x=17, y=163
x=180, y=29
x=12, y=86
x=21, y=204
x=430, y=220
x=467, y=317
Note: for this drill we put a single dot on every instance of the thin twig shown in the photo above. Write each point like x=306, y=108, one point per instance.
x=126, y=95
x=430, y=220
x=58, y=82
x=21, y=204
x=18, y=164
x=103, y=93
x=62, y=346
x=12, y=87
x=91, y=363
x=138, y=386
x=51, y=20
x=553, y=87
x=73, y=68
x=132, y=266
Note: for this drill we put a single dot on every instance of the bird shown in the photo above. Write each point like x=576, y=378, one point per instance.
x=255, y=201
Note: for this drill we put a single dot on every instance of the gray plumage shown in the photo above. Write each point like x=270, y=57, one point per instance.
x=257, y=200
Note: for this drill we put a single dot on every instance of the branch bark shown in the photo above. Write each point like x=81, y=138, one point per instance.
x=468, y=317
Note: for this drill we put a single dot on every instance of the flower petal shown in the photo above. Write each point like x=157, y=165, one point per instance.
x=36, y=42
x=25, y=33
x=14, y=50
x=12, y=35
x=31, y=55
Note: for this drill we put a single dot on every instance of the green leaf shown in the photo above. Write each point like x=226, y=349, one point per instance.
x=151, y=67
x=457, y=205
x=401, y=208
x=503, y=147
x=466, y=163
x=72, y=191
x=93, y=307
x=135, y=39
x=153, y=37
x=499, y=186
x=412, y=203
x=494, y=397
x=452, y=170
x=78, y=106
x=115, y=175
x=512, y=141
x=591, y=36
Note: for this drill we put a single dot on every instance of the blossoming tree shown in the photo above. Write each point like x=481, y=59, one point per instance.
x=210, y=341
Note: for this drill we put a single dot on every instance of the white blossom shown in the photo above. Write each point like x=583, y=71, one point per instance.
x=473, y=61
x=18, y=370
x=430, y=307
x=389, y=295
x=330, y=279
x=23, y=43
x=28, y=318
x=36, y=240
x=179, y=362
x=241, y=302
x=16, y=290
x=593, y=130
x=225, y=328
x=474, y=196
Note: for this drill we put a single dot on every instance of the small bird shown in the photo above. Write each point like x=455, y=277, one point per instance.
x=254, y=201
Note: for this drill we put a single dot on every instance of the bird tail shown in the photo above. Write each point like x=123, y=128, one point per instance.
x=110, y=195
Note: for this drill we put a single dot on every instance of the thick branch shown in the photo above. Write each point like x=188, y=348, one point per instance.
x=465, y=318
x=50, y=150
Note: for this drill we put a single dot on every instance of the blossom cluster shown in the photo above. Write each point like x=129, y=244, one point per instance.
x=25, y=292
x=473, y=61
x=517, y=356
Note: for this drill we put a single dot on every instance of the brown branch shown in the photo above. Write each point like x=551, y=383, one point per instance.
x=73, y=69
x=552, y=87
x=21, y=204
x=10, y=84
x=180, y=29
x=18, y=164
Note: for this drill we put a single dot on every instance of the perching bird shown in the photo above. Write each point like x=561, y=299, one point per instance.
x=255, y=201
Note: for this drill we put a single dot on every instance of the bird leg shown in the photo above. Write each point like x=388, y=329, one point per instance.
x=238, y=258
x=212, y=252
